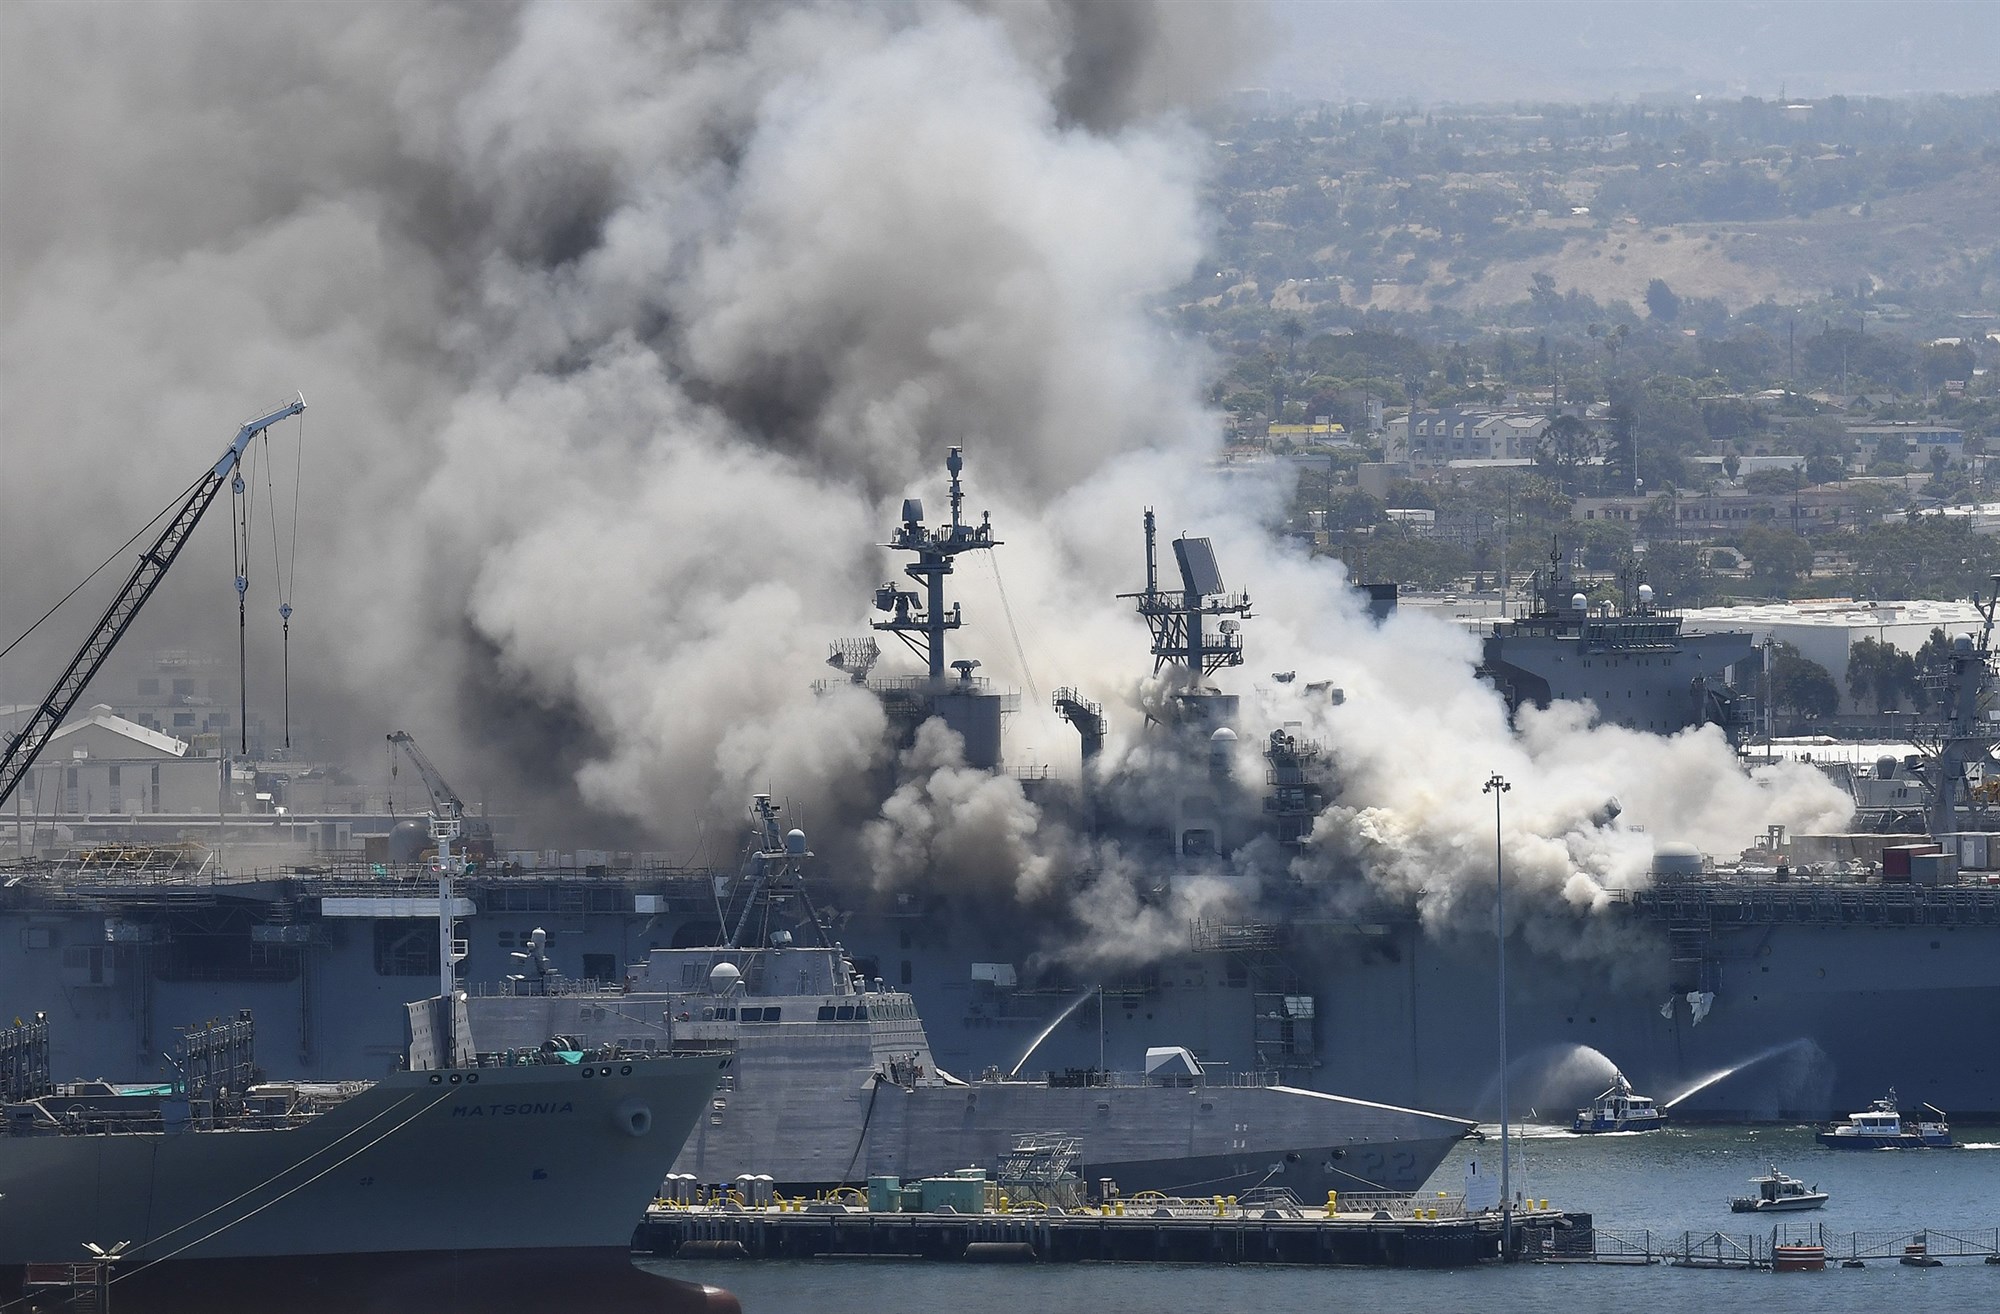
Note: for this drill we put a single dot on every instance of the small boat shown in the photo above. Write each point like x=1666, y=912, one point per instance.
x=1618, y=1110
x=1882, y=1127
x=1778, y=1192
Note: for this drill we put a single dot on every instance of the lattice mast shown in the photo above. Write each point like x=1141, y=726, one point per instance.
x=923, y=621
x=774, y=872
x=1963, y=743
x=1178, y=620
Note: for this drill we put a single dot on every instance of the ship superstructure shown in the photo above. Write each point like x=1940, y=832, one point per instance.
x=921, y=619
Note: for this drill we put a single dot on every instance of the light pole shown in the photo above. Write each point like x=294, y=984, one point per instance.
x=1496, y=786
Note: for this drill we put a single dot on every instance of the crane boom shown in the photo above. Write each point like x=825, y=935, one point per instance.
x=25, y=747
x=445, y=802
x=446, y=805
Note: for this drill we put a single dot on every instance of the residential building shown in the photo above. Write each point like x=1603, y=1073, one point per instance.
x=1465, y=433
x=1917, y=439
x=1698, y=514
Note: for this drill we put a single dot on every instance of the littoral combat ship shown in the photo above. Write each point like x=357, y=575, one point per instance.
x=834, y=1079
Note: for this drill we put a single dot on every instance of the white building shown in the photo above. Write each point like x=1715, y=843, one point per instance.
x=1824, y=631
x=103, y=764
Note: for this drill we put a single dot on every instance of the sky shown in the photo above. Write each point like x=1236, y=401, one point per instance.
x=1504, y=50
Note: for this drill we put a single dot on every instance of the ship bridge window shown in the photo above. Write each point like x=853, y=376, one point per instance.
x=826, y=1012
x=861, y=1013
x=763, y=1015
x=845, y=1013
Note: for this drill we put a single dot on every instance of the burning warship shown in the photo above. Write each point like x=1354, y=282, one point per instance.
x=1754, y=991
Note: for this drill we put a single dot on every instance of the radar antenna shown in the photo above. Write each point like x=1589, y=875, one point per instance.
x=855, y=656
x=1176, y=618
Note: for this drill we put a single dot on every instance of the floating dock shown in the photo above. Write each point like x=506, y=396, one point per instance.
x=1199, y=1232
x=1786, y=1247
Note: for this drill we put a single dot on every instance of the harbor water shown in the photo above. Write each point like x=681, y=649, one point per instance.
x=1669, y=1182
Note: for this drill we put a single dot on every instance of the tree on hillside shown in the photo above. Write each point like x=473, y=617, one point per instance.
x=1567, y=449
x=1766, y=483
x=1352, y=508
x=1932, y=660
x=1923, y=557
x=1800, y=685
x=1777, y=558
x=1662, y=303
x=1613, y=339
x=1675, y=572
x=1880, y=673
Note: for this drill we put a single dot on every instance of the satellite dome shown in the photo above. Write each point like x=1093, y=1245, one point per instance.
x=795, y=841
x=1223, y=735
x=722, y=978
x=408, y=840
x=1963, y=643
x=1578, y=601
x=1645, y=595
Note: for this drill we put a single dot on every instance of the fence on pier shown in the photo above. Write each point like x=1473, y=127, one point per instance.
x=1755, y=1249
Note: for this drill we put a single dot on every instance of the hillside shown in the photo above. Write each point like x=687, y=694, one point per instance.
x=1334, y=212
x=1943, y=238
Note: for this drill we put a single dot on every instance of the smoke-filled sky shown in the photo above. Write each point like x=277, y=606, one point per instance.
x=626, y=327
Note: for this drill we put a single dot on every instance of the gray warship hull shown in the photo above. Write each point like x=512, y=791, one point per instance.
x=1836, y=993
x=808, y=1103
x=1811, y=999
x=430, y=1171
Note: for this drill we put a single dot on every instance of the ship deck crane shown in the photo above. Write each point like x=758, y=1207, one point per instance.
x=25, y=747
x=446, y=805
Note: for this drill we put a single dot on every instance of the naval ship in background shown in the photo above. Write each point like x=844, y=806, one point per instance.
x=834, y=1080
x=1755, y=991
x=1637, y=663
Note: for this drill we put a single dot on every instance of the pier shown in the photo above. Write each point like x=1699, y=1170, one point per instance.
x=1382, y=1232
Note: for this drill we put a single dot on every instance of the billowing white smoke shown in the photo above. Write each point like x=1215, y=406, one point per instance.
x=625, y=328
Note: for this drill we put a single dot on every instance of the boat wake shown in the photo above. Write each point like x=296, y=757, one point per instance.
x=1980, y=1145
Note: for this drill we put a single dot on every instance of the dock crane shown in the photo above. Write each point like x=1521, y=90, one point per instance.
x=26, y=746
x=445, y=802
